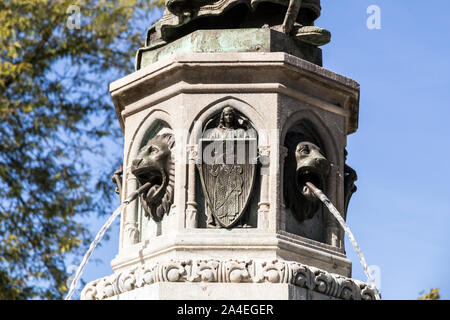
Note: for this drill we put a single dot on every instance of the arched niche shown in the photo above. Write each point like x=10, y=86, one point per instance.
x=208, y=118
x=213, y=109
x=135, y=227
x=306, y=124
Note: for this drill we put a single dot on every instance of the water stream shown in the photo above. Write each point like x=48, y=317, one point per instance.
x=100, y=235
x=318, y=193
x=322, y=197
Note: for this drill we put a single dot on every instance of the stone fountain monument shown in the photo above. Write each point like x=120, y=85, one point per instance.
x=228, y=115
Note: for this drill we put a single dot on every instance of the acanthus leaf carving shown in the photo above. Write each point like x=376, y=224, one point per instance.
x=236, y=271
x=230, y=271
x=302, y=276
x=206, y=271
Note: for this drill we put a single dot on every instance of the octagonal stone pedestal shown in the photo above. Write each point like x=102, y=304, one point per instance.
x=278, y=257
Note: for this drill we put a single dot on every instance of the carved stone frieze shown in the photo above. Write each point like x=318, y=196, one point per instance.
x=230, y=271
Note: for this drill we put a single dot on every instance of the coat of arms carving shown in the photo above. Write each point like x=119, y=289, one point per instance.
x=228, y=167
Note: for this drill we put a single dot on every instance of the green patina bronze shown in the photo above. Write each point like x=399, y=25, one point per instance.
x=231, y=40
x=180, y=13
x=236, y=26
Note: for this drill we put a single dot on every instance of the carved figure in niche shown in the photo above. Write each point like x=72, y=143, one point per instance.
x=227, y=173
x=305, y=162
x=231, y=126
x=154, y=164
x=350, y=188
x=292, y=17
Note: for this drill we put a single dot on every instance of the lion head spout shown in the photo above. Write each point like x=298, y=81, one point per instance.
x=154, y=165
x=305, y=163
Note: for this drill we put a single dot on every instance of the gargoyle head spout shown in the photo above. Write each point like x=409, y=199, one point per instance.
x=304, y=163
x=154, y=164
x=312, y=167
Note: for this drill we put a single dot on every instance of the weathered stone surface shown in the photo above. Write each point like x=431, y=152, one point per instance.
x=276, y=92
x=227, y=244
x=281, y=256
x=256, y=72
x=154, y=166
x=219, y=291
x=227, y=279
x=231, y=40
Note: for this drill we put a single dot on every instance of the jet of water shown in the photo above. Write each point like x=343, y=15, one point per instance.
x=100, y=235
x=322, y=197
x=319, y=194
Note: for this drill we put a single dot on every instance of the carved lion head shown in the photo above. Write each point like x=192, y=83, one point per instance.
x=154, y=164
x=305, y=163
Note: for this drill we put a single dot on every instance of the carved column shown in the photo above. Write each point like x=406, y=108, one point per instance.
x=130, y=234
x=191, y=204
x=264, y=202
x=282, y=216
x=334, y=233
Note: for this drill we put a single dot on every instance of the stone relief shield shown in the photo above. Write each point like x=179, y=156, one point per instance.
x=227, y=170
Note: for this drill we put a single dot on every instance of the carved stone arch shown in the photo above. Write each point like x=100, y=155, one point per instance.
x=149, y=126
x=214, y=108
x=313, y=122
x=156, y=118
x=210, y=113
x=309, y=123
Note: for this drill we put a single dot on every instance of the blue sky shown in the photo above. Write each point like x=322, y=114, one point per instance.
x=400, y=214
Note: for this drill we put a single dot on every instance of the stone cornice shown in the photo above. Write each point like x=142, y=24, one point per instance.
x=270, y=73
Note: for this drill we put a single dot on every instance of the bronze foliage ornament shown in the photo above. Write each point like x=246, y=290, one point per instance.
x=192, y=9
x=292, y=17
x=305, y=162
x=227, y=171
x=154, y=165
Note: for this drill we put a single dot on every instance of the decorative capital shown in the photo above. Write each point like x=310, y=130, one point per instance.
x=283, y=152
x=264, y=151
x=192, y=152
x=131, y=232
x=264, y=155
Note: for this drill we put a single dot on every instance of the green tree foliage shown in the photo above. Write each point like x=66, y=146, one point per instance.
x=432, y=295
x=53, y=95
